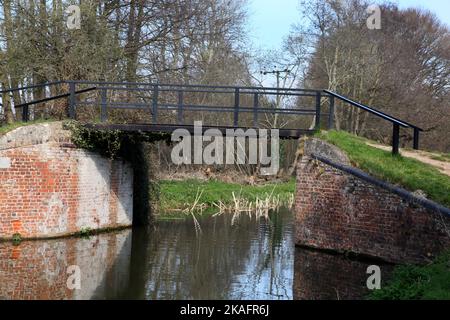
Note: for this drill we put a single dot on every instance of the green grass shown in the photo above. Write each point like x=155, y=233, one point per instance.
x=408, y=282
x=409, y=173
x=9, y=127
x=178, y=195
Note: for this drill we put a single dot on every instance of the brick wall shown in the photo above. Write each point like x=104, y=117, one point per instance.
x=338, y=211
x=49, y=188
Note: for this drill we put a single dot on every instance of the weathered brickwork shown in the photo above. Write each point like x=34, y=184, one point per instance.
x=36, y=270
x=50, y=188
x=338, y=211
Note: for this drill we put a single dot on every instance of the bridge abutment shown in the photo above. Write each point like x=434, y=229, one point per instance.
x=51, y=188
x=342, y=209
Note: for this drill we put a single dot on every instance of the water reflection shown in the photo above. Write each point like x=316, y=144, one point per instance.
x=38, y=269
x=249, y=259
x=244, y=258
x=325, y=276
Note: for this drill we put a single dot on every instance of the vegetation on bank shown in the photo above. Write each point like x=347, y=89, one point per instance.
x=179, y=196
x=408, y=282
x=411, y=174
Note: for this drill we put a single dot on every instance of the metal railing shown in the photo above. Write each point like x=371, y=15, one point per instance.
x=397, y=123
x=179, y=105
x=150, y=101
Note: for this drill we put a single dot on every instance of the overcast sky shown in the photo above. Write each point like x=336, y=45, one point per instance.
x=270, y=20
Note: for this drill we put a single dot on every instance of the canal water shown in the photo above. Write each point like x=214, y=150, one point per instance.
x=230, y=257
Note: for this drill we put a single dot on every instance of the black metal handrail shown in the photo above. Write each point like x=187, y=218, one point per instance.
x=397, y=123
x=151, y=96
x=153, y=91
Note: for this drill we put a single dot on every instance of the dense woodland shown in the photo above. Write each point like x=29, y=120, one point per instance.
x=402, y=68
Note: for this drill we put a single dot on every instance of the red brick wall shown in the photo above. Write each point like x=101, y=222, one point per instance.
x=338, y=211
x=50, y=188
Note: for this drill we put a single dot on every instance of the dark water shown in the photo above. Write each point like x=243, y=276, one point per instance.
x=240, y=258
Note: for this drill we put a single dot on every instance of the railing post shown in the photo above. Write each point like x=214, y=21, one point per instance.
x=416, y=138
x=236, y=107
x=318, y=100
x=255, y=110
x=331, y=115
x=180, y=107
x=72, y=100
x=25, y=113
x=104, y=106
x=395, y=139
x=155, y=104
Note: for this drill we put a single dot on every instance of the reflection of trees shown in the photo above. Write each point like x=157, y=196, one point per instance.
x=244, y=261
x=270, y=266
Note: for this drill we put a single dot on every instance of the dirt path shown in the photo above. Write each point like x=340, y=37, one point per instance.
x=423, y=156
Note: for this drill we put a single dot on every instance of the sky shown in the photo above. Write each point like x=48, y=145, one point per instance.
x=271, y=20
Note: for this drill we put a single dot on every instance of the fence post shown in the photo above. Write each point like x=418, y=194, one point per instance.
x=236, y=107
x=331, y=115
x=72, y=100
x=255, y=110
x=318, y=100
x=104, y=106
x=395, y=139
x=416, y=138
x=25, y=113
x=155, y=104
x=180, y=107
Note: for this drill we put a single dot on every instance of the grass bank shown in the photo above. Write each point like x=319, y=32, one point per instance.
x=430, y=282
x=409, y=173
x=181, y=196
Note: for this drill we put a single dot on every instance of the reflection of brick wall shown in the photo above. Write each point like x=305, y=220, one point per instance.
x=322, y=276
x=50, y=188
x=336, y=210
x=38, y=269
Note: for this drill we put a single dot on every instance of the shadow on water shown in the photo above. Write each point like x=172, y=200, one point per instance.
x=243, y=258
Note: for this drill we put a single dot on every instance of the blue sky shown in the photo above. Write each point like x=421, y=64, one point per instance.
x=270, y=20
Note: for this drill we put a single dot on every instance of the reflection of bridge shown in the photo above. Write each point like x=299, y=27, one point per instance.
x=164, y=108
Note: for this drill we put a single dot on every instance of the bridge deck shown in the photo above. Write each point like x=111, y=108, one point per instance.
x=169, y=128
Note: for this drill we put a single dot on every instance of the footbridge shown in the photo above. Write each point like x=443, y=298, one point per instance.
x=155, y=107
